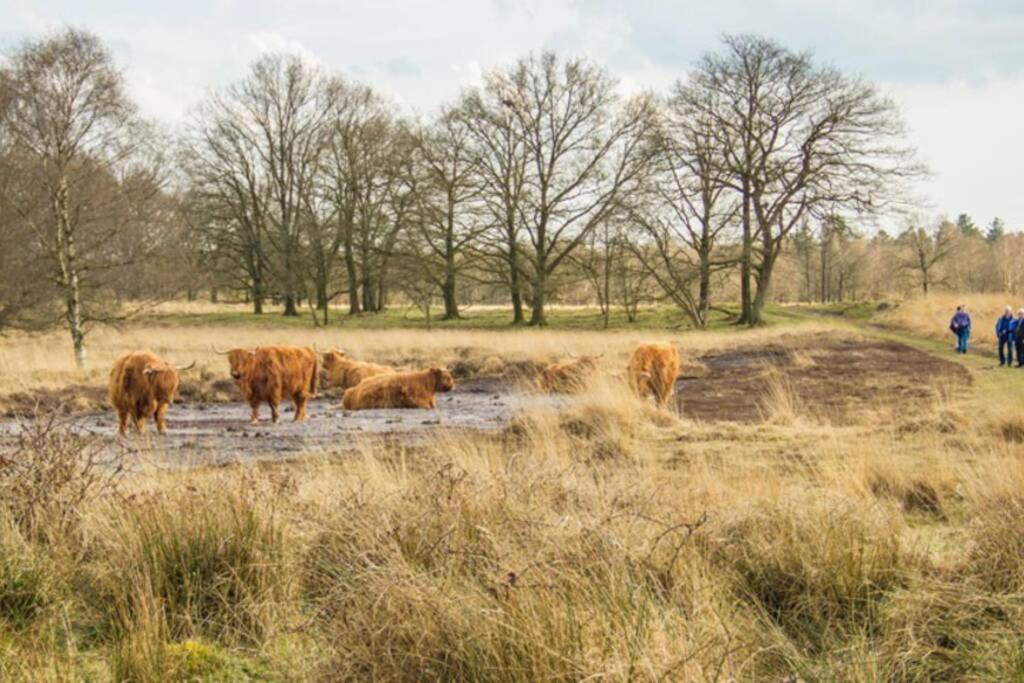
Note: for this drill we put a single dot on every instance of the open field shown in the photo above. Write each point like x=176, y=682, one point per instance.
x=825, y=501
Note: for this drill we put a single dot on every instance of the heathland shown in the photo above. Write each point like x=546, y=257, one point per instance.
x=833, y=496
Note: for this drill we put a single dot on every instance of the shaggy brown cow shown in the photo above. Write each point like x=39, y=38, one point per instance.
x=652, y=371
x=568, y=376
x=399, y=390
x=343, y=372
x=141, y=386
x=271, y=373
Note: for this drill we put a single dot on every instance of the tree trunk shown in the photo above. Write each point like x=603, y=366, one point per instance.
x=257, y=296
x=67, y=259
x=353, y=276
x=704, y=292
x=515, y=286
x=746, y=311
x=291, y=305
x=213, y=295
x=451, y=305
x=763, y=283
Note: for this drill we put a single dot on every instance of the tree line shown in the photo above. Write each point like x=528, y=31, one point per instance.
x=298, y=188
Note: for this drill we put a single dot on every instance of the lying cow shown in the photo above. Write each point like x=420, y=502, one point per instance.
x=272, y=373
x=399, y=390
x=652, y=371
x=568, y=376
x=343, y=372
x=141, y=386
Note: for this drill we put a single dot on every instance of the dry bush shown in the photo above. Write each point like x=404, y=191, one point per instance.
x=50, y=474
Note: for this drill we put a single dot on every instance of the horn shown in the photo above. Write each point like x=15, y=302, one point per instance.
x=218, y=351
x=183, y=368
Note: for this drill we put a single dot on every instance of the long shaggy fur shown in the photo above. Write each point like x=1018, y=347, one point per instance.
x=141, y=386
x=344, y=373
x=652, y=371
x=568, y=376
x=269, y=374
x=399, y=390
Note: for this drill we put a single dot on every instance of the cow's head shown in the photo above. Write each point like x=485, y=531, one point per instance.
x=332, y=359
x=242, y=362
x=443, y=380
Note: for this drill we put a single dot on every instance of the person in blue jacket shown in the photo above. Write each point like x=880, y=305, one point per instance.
x=960, y=325
x=1005, y=326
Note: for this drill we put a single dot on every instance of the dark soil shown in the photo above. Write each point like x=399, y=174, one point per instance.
x=832, y=377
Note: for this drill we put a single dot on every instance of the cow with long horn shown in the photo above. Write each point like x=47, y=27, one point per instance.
x=268, y=374
x=143, y=386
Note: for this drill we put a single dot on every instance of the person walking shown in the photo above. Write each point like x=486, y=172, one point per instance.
x=960, y=325
x=1004, y=335
x=1018, y=337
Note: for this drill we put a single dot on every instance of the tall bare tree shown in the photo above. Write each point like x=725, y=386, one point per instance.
x=795, y=136
x=450, y=210
x=501, y=161
x=585, y=150
x=71, y=126
x=924, y=252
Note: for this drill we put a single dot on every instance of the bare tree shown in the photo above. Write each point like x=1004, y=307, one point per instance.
x=501, y=161
x=450, y=211
x=924, y=252
x=256, y=151
x=794, y=137
x=688, y=211
x=70, y=123
x=584, y=151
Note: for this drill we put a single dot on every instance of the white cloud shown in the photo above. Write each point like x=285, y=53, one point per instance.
x=969, y=135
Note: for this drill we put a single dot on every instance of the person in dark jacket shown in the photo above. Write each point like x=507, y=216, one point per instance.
x=1004, y=335
x=960, y=325
x=1018, y=337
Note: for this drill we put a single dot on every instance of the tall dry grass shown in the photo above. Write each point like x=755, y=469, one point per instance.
x=610, y=541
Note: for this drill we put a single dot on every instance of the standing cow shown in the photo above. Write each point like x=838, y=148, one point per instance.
x=399, y=390
x=142, y=386
x=271, y=373
x=652, y=371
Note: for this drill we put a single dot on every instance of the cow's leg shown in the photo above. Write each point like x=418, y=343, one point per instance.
x=273, y=413
x=122, y=421
x=255, y=417
x=140, y=423
x=300, y=407
x=161, y=418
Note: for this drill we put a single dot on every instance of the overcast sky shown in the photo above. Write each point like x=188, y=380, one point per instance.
x=956, y=68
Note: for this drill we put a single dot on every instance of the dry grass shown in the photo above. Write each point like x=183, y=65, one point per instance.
x=929, y=316
x=42, y=365
x=609, y=541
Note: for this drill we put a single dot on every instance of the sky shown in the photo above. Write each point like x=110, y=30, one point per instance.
x=955, y=68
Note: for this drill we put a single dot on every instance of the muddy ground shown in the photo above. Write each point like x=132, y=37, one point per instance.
x=828, y=377
x=841, y=380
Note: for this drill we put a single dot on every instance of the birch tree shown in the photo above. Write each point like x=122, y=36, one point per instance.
x=72, y=125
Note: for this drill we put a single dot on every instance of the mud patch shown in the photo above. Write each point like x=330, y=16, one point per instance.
x=832, y=377
x=213, y=433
